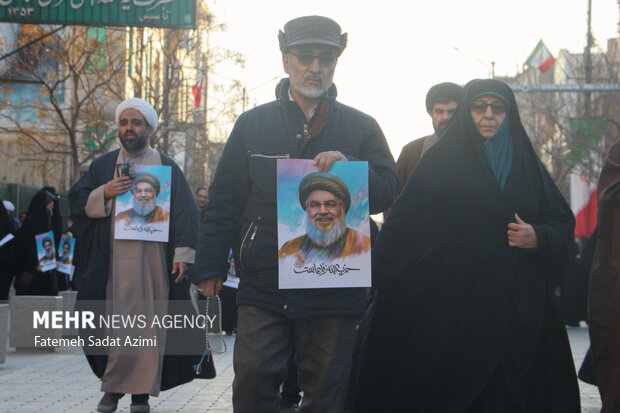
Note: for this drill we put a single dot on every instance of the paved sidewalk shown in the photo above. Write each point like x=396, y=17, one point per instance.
x=62, y=382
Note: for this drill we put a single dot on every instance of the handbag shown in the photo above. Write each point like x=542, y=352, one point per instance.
x=205, y=369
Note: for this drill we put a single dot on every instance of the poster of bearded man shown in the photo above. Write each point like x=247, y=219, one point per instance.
x=45, y=251
x=143, y=212
x=323, y=225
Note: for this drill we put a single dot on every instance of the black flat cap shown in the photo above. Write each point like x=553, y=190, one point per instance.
x=312, y=30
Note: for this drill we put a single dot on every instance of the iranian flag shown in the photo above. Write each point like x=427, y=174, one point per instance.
x=197, y=92
x=540, y=58
x=583, y=204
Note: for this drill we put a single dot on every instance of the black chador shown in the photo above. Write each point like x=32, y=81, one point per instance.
x=458, y=309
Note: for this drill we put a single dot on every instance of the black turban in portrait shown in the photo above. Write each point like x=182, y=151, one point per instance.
x=324, y=181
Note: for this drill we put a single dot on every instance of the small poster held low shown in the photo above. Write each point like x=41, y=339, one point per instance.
x=65, y=255
x=323, y=225
x=45, y=251
x=143, y=212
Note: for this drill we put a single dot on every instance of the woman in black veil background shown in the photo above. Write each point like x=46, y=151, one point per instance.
x=466, y=263
x=39, y=219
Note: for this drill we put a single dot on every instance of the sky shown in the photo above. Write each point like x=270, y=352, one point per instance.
x=398, y=49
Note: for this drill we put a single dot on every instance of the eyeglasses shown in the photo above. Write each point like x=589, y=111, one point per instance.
x=148, y=191
x=306, y=59
x=330, y=205
x=480, y=106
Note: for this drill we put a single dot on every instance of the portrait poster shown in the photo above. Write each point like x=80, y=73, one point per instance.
x=65, y=254
x=46, y=251
x=232, y=281
x=143, y=212
x=323, y=225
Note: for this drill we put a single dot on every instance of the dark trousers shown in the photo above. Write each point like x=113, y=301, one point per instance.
x=264, y=344
x=229, y=309
x=290, y=388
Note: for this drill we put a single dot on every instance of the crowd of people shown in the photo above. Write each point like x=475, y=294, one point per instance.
x=22, y=266
x=462, y=316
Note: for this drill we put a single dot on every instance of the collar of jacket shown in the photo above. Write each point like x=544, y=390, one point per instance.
x=319, y=120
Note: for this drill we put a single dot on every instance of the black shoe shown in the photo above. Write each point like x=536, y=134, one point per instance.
x=139, y=403
x=109, y=402
x=287, y=406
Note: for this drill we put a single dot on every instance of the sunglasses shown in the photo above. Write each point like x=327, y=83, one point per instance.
x=480, y=106
x=306, y=59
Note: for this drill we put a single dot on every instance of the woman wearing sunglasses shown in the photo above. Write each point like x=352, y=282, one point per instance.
x=465, y=266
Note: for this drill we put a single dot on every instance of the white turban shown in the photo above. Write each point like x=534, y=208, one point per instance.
x=141, y=106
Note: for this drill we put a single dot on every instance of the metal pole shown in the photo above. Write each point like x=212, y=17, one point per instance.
x=587, y=58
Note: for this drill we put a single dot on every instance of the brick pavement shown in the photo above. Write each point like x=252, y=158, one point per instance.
x=62, y=382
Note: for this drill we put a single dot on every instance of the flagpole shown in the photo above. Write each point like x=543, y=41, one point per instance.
x=587, y=58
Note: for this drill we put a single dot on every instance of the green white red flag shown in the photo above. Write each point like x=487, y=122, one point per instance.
x=583, y=204
x=540, y=58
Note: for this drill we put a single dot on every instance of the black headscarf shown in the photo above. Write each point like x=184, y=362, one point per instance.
x=498, y=148
x=456, y=302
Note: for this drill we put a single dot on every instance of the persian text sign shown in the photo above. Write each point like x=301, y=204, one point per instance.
x=148, y=13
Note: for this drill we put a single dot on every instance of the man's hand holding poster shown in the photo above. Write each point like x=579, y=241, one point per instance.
x=323, y=225
x=46, y=251
x=143, y=212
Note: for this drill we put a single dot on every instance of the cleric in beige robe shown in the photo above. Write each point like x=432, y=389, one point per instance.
x=131, y=270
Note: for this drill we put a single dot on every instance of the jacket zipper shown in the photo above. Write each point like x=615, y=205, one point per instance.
x=245, y=237
x=249, y=249
x=302, y=142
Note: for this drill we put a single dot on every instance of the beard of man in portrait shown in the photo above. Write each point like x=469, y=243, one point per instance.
x=325, y=225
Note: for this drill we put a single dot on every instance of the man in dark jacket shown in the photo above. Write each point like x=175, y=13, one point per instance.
x=441, y=104
x=306, y=122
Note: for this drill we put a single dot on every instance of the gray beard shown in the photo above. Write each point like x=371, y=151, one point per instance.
x=310, y=92
x=144, y=210
x=324, y=239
